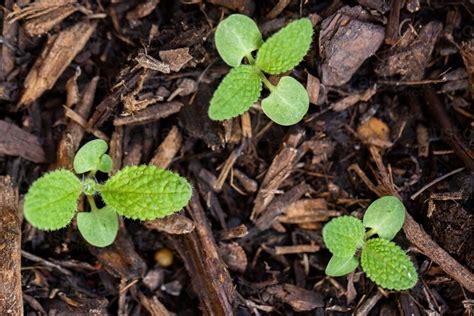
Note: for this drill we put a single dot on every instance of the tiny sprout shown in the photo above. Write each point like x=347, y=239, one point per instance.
x=382, y=260
x=237, y=37
x=138, y=192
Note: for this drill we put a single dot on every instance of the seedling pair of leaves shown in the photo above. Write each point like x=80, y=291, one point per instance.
x=237, y=37
x=136, y=192
x=382, y=260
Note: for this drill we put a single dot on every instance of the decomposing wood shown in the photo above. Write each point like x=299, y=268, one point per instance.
x=150, y=114
x=41, y=16
x=417, y=235
x=176, y=58
x=391, y=36
x=449, y=132
x=9, y=40
x=234, y=256
x=281, y=167
x=244, y=6
x=56, y=56
x=73, y=134
x=116, y=148
x=175, y=224
x=153, y=305
x=313, y=86
x=168, y=149
x=249, y=184
x=233, y=232
x=210, y=279
x=11, y=302
x=352, y=99
x=142, y=10
x=467, y=53
x=307, y=211
x=17, y=142
x=287, y=250
x=227, y=167
x=299, y=299
x=277, y=9
x=365, y=308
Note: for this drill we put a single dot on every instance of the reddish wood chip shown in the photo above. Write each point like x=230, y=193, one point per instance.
x=298, y=298
x=17, y=142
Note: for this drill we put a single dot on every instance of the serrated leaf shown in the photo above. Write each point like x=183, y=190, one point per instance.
x=286, y=48
x=88, y=156
x=339, y=266
x=51, y=201
x=386, y=216
x=240, y=89
x=343, y=235
x=237, y=36
x=388, y=265
x=146, y=192
x=106, y=163
x=288, y=103
x=99, y=228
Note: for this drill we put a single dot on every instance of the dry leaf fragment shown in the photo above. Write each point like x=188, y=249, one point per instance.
x=56, y=56
x=176, y=58
x=374, y=131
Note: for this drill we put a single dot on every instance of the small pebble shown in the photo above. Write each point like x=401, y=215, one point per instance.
x=164, y=257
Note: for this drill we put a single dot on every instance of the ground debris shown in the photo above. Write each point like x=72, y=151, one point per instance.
x=299, y=299
x=150, y=114
x=346, y=40
x=16, y=142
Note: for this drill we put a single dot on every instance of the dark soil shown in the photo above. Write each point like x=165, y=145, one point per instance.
x=391, y=85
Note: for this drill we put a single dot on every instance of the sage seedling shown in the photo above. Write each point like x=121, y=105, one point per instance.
x=138, y=192
x=237, y=37
x=382, y=260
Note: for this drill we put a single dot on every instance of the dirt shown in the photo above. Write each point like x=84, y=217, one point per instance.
x=391, y=85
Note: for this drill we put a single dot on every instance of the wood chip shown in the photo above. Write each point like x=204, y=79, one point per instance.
x=11, y=302
x=234, y=232
x=307, y=211
x=176, y=58
x=17, y=142
x=352, y=99
x=312, y=87
x=299, y=299
x=168, y=149
x=375, y=132
x=175, y=224
x=150, y=114
x=234, y=256
x=142, y=10
x=56, y=56
x=287, y=250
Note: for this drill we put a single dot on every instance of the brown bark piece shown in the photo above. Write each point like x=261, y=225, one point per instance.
x=176, y=58
x=153, y=305
x=287, y=250
x=168, y=149
x=210, y=279
x=352, y=99
x=234, y=256
x=346, y=41
x=11, y=302
x=277, y=9
x=150, y=114
x=175, y=224
x=299, y=299
x=281, y=167
x=307, y=211
x=17, y=142
x=410, y=59
x=467, y=53
x=142, y=10
x=244, y=6
x=56, y=56
x=10, y=36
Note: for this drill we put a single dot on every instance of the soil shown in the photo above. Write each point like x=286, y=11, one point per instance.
x=391, y=85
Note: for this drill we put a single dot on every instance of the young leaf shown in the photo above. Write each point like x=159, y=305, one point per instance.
x=236, y=93
x=237, y=36
x=339, y=266
x=99, y=228
x=386, y=216
x=288, y=103
x=146, y=192
x=343, y=235
x=88, y=157
x=286, y=48
x=51, y=201
x=388, y=265
x=106, y=163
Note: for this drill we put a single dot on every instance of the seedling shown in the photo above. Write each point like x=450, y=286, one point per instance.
x=136, y=192
x=236, y=38
x=382, y=260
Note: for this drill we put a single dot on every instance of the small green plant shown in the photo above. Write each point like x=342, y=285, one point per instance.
x=237, y=37
x=136, y=192
x=382, y=260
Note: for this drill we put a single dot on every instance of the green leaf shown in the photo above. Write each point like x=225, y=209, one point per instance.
x=88, y=157
x=51, y=201
x=386, y=216
x=106, y=163
x=99, y=228
x=146, y=192
x=388, y=265
x=339, y=266
x=288, y=103
x=286, y=48
x=237, y=36
x=240, y=89
x=343, y=235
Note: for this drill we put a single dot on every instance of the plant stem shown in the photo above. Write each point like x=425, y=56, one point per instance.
x=267, y=82
x=91, y=200
x=250, y=59
x=370, y=233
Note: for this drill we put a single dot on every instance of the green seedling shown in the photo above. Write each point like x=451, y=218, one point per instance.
x=382, y=260
x=237, y=37
x=137, y=192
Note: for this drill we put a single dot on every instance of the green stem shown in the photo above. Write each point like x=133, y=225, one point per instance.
x=250, y=59
x=370, y=233
x=267, y=82
x=91, y=200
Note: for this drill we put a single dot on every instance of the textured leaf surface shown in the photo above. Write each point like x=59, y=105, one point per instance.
x=286, y=48
x=339, y=266
x=288, y=103
x=240, y=89
x=88, y=156
x=99, y=228
x=106, y=163
x=51, y=201
x=146, y=192
x=343, y=235
x=237, y=36
x=386, y=215
x=388, y=265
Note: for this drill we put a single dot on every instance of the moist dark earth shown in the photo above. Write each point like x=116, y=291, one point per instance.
x=391, y=85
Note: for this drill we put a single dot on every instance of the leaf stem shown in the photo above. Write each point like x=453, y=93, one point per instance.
x=267, y=82
x=250, y=59
x=370, y=233
x=91, y=201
